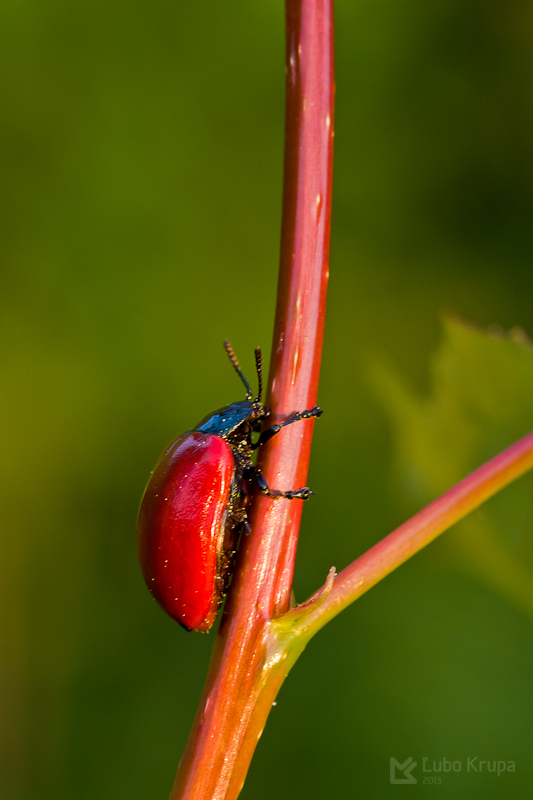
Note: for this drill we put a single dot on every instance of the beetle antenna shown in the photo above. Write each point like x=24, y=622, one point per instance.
x=259, y=367
x=233, y=358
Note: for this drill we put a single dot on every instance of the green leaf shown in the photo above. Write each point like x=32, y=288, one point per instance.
x=480, y=402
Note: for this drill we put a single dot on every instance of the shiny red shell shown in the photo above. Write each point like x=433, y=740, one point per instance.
x=182, y=528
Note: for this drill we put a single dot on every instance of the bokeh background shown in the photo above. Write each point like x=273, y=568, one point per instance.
x=141, y=168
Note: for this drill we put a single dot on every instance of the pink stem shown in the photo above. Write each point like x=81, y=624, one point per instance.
x=303, y=280
x=421, y=529
x=240, y=690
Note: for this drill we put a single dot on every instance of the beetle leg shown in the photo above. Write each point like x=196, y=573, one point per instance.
x=296, y=417
x=264, y=488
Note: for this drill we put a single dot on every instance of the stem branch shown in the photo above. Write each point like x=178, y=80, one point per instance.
x=417, y=532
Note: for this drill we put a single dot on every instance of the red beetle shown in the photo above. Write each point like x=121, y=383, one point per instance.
x=194, y=506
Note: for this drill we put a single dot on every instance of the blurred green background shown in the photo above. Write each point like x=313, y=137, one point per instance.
x=141, y=168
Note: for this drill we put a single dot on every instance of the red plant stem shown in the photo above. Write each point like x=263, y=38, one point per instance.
x=420, y=530
x=238, y=693
x=303, y=275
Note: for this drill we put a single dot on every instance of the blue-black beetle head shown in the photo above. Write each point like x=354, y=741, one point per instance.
x=224, y=421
